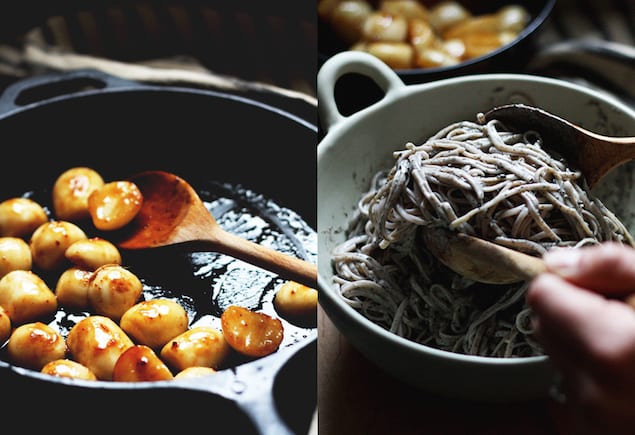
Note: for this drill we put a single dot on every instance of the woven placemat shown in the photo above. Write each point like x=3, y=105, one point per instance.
x=263, y=53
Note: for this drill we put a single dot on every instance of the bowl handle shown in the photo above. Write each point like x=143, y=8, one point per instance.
x=352, y=62
x=40, y=89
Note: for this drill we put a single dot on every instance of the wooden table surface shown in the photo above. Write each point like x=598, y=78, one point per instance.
x=356, y=397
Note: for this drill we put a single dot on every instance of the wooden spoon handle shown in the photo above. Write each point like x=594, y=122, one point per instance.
x=287, y=266
x=514, y=262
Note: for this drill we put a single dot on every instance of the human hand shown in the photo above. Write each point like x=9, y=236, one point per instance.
x=588, y=331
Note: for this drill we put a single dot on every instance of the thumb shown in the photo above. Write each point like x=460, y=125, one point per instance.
x=608, y=268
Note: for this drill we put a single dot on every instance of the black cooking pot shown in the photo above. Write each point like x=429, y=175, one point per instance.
x=222, y=144
x=356, y=91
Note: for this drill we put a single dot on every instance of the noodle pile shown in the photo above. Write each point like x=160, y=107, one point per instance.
x=480, y=179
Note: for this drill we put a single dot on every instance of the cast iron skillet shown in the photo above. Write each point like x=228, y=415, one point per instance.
x=221, y=144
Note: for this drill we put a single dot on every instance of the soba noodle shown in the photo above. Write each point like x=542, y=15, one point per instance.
x=481, y=179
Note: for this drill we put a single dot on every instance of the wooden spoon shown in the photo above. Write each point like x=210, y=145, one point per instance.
x=173, y=213
x=591, y=153
x=479, y=259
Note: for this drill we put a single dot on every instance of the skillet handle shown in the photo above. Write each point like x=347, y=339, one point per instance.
x=47, y=87
x=252, y=387
x=352, y=62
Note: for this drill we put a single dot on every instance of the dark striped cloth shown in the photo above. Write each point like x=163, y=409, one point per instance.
x=591, y=42
x=609, y=20
x=261, y=49
x=259, y=41
x=275, y=42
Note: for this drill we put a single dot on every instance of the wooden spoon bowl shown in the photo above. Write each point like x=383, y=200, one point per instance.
x=173, y=214
x=593, y=154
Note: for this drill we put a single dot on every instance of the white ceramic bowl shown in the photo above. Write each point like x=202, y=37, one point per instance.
x=355, y=147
